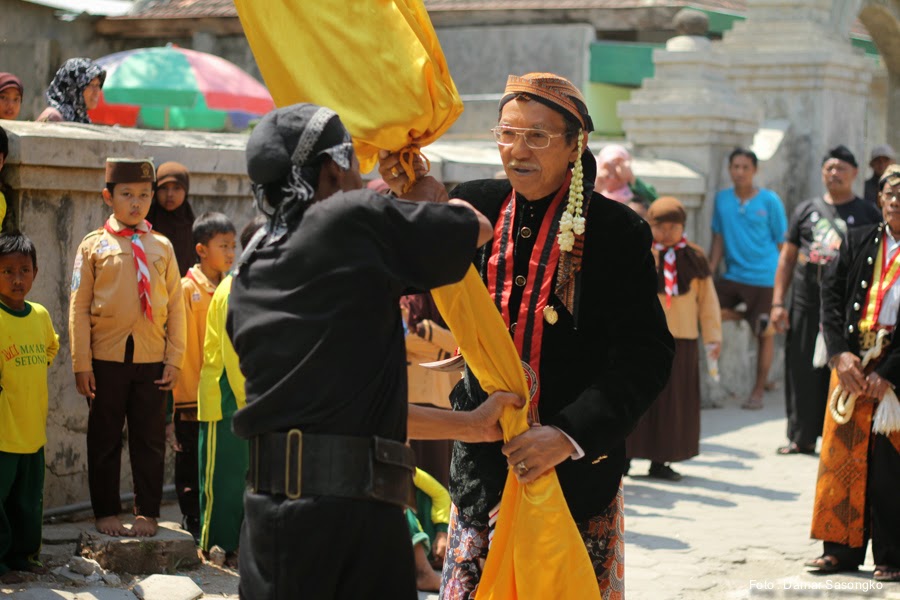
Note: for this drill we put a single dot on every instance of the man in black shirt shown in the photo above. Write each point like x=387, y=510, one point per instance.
x=314, y=317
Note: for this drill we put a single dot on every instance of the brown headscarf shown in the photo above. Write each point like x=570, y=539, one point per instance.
x=691, y=261
x=552, y=90
x=177, y=224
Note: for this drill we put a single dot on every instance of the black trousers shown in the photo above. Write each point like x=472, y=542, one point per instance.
x=806, y=388
x=187, y=461
x=882, y=521
x=324, y=548
x=126, y=391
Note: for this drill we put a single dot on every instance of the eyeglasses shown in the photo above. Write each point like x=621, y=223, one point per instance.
x=535, y=139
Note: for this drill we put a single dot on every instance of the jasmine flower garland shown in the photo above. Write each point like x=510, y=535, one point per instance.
x=572, y=223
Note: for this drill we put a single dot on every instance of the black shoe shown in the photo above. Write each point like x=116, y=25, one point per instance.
x=663, y=471
x=192, y=526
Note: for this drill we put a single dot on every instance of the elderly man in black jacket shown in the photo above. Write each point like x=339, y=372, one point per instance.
x=859, y=470
x=572, y=274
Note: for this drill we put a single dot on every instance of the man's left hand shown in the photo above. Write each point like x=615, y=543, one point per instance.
x=876, y=386
x=169, y=378
x=536, y=451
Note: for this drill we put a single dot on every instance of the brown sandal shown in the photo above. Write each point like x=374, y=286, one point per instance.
x=829, y=564
x=886, y=573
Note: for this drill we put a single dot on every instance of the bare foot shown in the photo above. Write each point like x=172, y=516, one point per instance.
x=755, y=401
x=144, y=526
x=427, y=580
x=112, y=526
x=12, y=577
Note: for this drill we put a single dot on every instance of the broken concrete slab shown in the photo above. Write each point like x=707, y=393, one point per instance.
x=67, y=574
x=84, y=566
x=43, y=594
x=61, y=534
x=170, y=549
x=168, y=587
x=103, y=593
x=54, y=555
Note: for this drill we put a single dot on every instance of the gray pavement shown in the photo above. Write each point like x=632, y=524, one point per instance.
x=737, y=526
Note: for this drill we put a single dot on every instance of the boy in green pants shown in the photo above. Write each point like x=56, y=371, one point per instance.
x=223, y=456
x=28, y=344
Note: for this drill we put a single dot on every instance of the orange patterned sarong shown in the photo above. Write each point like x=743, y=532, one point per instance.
x=840, y=506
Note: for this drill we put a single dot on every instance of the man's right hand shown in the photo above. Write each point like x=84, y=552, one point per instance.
x=484, y=421
x=426, y=189
x=779, y=319
x=849, y=372
x=86, y=384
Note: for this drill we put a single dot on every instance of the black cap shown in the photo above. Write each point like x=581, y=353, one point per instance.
x=843, y=153
x=273, y=146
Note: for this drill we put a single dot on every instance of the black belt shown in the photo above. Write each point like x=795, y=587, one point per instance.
x=299, y=465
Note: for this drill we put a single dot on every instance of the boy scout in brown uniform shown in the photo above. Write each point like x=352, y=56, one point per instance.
x=127, y=332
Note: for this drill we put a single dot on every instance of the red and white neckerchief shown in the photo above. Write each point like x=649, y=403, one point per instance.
x=140, y=263
x=670, y=272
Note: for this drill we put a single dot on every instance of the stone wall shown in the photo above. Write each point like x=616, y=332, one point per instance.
x=54, y=175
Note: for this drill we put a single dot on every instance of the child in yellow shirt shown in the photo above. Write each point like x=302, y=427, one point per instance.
x=213, y=235
x=224, y=457
x=28, y=344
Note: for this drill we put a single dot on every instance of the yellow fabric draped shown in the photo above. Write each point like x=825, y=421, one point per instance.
x=537, y=551
x=378, y=63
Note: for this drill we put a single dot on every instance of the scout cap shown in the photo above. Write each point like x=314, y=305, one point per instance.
x=130, y=170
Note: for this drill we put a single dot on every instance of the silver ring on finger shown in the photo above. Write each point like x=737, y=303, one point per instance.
x=394, y=173
x=521, y=467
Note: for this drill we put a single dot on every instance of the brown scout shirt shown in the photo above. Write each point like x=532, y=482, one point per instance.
x=198, y=292
x=104, y=307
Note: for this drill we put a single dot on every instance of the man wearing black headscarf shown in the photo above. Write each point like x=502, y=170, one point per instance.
x=314, y=317
x=813, y=241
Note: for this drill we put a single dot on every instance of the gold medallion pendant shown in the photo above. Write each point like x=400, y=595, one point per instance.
x=550, y=315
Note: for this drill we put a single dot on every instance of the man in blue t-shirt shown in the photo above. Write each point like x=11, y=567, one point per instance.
x=748, y=227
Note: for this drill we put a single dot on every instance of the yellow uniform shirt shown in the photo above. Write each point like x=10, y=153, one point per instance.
x=2, y=209
x=198, y=291
x=28, y=344
x=104, y=307
x=218, y=357
x=440, y=497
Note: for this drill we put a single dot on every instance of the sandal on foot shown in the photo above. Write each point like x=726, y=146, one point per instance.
x=752, y=405
x=829, y=564
x=886, y=573
x=794, y=448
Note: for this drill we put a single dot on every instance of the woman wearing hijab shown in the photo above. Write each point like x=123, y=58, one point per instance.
x=74, y=91
x=11, y=92
x=171, y=213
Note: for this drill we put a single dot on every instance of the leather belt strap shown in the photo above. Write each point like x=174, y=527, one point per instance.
x=299, y=465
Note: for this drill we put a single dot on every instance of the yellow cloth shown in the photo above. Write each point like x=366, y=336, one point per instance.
x=534, y=527
x=198, y=291
x=440, y=497
x=377, y=63
x=28, y=344
x=218, y=357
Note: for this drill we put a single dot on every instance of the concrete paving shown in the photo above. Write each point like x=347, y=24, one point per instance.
x=737, y=526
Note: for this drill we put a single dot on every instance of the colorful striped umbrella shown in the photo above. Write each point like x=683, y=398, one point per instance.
x=176, y=88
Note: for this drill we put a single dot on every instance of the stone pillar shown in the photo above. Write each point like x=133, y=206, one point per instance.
x=690, y=112
x=793, y=60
